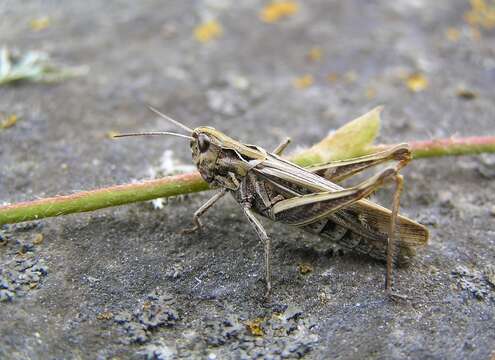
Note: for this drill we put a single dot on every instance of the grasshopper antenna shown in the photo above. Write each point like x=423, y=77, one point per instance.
x=153, y=133
x=168, y=118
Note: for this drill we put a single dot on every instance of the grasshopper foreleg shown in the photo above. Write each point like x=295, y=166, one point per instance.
x=198, y=213
x=282, y=146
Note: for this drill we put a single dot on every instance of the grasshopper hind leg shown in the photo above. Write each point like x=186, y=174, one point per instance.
x=337, y=171
x=399, y=183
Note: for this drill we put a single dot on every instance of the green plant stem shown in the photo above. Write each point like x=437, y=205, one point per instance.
x=192, y=182
x=101, y=198
x=452, y=146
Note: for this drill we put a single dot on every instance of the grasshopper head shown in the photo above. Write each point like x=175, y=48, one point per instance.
x=206, y=149
x=221, y=160
x=218, y=156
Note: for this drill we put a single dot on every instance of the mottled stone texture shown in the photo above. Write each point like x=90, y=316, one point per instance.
x=123, y=283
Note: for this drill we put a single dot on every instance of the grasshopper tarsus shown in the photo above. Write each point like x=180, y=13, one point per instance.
x=396, y=297
x=192, y=230
x=198, y=226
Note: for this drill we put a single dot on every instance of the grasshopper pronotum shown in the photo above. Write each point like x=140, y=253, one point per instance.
x=264, y=183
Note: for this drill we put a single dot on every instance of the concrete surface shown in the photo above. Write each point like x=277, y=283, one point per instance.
x=123, y=283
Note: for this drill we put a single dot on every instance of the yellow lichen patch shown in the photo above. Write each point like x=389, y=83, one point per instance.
x=9, y=121
x=278, y=10
x=371, y=92
x=315, y=54
x=146, y=305
x=417, y=82
x=350, y=76
x=324, y=297
x=254, y=327
x=106, y=315
x=481, y=14
x=38, y=239
x=304, y=268
x=40, y=23
x=475, y=34
x=333, y=77
x=208, y=31
x=304, y=81
x=452, y=34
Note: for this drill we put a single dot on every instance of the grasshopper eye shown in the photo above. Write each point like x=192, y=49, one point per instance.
x=203, y=142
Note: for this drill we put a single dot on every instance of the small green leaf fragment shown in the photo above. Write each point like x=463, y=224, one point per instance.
x=34, y=66
x=349, y=141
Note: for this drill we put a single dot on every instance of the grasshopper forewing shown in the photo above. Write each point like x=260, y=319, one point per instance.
x=265, y=184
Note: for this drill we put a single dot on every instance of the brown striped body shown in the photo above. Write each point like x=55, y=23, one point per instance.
x=349, y=227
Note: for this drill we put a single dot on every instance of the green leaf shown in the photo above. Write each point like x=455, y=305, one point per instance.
x=34, y=66
x=351, y=140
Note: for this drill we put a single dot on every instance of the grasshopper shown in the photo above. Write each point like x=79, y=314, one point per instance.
x=265, y=184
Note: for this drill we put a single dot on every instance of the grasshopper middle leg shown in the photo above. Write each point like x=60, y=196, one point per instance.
x=246, y=203
x=198, y=213
x=258, y=227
